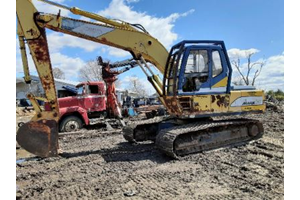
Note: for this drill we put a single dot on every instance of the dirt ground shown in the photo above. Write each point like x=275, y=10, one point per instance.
x=102, y=165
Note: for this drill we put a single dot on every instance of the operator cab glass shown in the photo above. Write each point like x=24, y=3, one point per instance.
x=197, y=69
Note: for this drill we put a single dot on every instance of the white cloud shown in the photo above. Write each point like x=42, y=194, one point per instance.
x=187, y=13
x=132, y=1
x=238, y=53
x=272, y=74
x=69, y=65
x=117, y=52
x=19, y=64
x=57, y=41
x=47, y=8
x=159, y=27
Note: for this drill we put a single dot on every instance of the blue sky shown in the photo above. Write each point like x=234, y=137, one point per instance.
x=245, y=26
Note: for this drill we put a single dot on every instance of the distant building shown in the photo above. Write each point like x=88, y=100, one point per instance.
x=22, y=89
x=122, y=94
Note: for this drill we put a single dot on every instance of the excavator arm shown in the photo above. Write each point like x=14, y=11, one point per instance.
x=40, y=135
x=43, y=126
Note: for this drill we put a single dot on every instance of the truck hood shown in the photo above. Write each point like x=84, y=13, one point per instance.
x=68, y=101
x=65, y=102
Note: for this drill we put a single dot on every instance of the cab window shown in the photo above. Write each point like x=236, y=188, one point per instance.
x=196, y=70
x=93, y=89
x=216, y=63
x=197, y=62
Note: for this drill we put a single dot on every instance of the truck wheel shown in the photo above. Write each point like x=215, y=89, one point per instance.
x=70, y=123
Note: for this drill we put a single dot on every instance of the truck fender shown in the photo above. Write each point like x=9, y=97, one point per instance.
x=75, y=109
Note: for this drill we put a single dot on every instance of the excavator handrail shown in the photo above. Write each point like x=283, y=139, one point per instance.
x=184, y=42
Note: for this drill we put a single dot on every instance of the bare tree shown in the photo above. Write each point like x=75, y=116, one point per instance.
x=91, y=71
x=246, y=74
x=58, y=73
x=136, y=86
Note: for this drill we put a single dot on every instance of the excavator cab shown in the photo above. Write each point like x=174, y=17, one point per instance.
x=197, y=82
x=197, y=67
x=195, y=72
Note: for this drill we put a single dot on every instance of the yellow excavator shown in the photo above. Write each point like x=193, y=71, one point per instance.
x=196, y=85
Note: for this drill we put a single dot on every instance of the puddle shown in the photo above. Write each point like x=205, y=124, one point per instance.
x=21, y=160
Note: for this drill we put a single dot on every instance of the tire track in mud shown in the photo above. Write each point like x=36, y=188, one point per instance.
x=256, y=168
x=247, y=170
x=94, y=166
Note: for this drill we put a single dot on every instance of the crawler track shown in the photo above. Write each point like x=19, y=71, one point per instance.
x=200, y=136
x=142, y=130
x=193, y=137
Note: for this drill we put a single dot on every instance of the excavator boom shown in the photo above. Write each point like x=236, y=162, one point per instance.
x=40, y=136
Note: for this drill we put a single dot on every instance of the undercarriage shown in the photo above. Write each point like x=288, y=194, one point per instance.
x=178, y=138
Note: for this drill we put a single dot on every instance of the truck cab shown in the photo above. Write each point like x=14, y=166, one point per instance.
x=83, y=109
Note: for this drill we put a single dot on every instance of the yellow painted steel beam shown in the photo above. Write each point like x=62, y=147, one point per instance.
x=38, y=46
x=94, y=16
x=139, y=44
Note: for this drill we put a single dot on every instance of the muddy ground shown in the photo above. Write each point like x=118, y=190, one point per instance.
x=98, y=165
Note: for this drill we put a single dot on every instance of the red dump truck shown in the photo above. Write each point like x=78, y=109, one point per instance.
x=89, y=106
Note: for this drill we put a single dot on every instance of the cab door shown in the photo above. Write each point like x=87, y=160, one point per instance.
x=219, y=71
x=219, y=82
x=204, y=73
x=195, y=71
x=95, y=99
